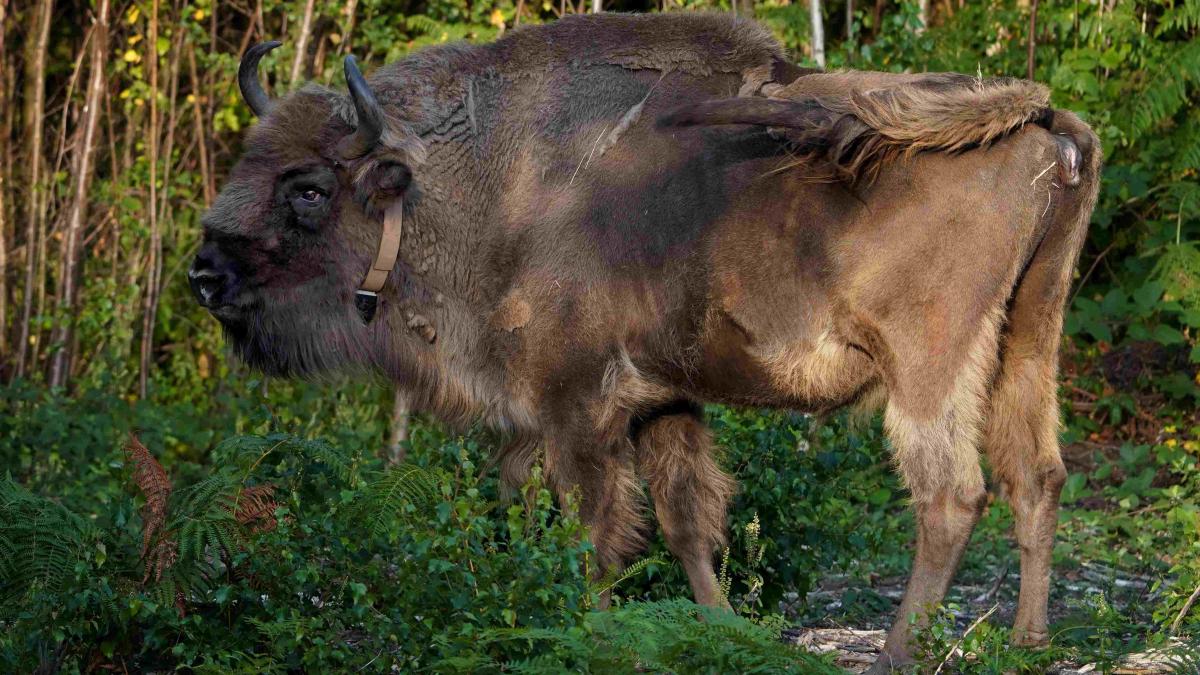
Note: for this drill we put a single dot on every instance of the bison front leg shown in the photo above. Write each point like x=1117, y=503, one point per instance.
x=610, y=501
x=675, y=455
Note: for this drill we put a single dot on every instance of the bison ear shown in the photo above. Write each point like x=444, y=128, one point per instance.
x=381, y=183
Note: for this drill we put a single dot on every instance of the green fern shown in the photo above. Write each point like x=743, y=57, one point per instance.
x=1184, y=658
x=1178, y=269
x=1185, y=144
x=1183, y=16
x=423, y=25
x=202, y=519
x=240, y=663
x=1164, y=97
x=250, y=451
x=395, y=495
x=41, y=543
x=616, y=577
x=277, y=629
x=666, y=636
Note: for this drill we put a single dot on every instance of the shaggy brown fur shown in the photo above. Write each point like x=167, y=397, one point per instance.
x=675, y=454
x=580, y=278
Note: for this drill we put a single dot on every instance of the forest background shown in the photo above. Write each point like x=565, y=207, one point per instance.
x=272, y=525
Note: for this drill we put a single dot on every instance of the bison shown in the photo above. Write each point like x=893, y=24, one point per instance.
x=583, y=231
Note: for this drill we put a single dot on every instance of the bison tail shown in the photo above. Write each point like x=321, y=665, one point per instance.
x=856, y=133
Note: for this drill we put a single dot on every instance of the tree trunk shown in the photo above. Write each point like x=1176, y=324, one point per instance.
x=198, y=126
x=154, y=268
x=172, y=119
x=35, y=105
x=818, y=32
x=878, y=17
x=348, y=30
x=597, y=6
x=5, y=135
x=113, y=167
x=1030, y=59
x=399, y=428
x=923, y=15
x=302, y=43
x=81, y=169
x=849, y=20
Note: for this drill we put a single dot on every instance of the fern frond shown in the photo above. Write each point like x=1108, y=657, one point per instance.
x=1184, y=658
x=614, y=578
x=250, y=450
x=1183, y=16
x=395, y=495
x=1184, y=142
x=1178, y=269
x=1164, y=97
x=240, y=663
x=322, y=452
x=203, y=518
x=154, y=484
x=41, y=543
x=542, y=664
x=277, y=629
x=254, y=508
x=421, y=24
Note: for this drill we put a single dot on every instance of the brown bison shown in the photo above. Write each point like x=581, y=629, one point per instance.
x=589, y=228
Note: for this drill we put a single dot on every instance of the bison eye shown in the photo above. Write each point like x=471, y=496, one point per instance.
x=310, y=206
x=311, y=197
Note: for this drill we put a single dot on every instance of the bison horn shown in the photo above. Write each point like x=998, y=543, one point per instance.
x=370, y=115
x=248, y=82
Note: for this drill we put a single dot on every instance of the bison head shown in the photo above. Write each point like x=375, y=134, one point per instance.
x=292, y=234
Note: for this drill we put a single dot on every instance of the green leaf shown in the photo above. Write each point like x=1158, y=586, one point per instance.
x=1164, y=334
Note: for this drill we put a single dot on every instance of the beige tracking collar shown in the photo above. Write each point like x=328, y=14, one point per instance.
x=367, y=296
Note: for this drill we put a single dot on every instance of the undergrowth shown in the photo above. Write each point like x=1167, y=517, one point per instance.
x=292, y=553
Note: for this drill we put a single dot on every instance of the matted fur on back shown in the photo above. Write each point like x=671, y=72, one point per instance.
x=849, y=124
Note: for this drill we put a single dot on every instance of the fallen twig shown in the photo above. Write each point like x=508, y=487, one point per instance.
x=973, y=626
x=1187, y=606
x=990, y=594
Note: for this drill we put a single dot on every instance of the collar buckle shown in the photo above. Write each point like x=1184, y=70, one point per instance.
x=366, y=299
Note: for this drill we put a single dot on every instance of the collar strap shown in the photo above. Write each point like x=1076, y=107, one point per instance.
x=366, y=298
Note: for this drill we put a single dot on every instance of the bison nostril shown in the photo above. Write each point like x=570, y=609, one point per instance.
x=206, y=284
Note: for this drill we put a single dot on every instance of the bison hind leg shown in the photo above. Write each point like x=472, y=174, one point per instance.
x=937, y=454
x=1022, y=447
x=675, y=454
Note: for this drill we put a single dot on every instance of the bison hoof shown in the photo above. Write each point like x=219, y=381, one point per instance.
x=886, y=663
x=1024, y=638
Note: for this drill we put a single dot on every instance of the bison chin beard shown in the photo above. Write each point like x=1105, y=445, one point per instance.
x=295, y=343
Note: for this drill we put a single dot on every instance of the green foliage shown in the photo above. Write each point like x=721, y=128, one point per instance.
x=668, y=636
x=43, y=547
x=1095, y=634
x=823, y=496
x=614, y=577
x=404, y=565
x=414, y=566
x=426, y=566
